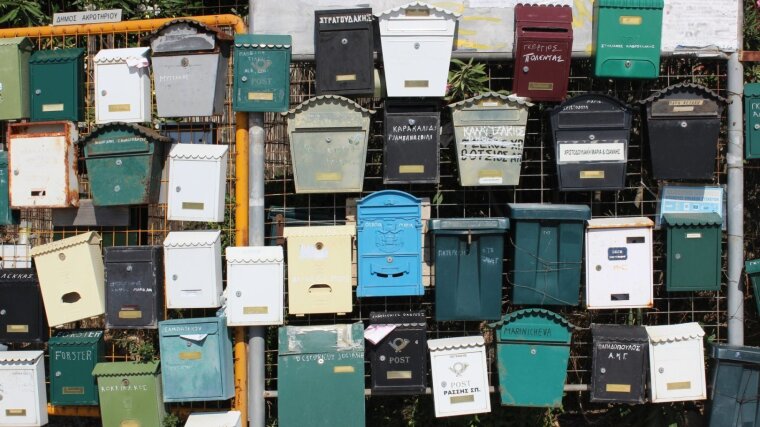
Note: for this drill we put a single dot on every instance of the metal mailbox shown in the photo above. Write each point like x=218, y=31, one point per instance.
x=197, y=182
x=73, y=356
x=57, y=85
x=43, y=165
x=459, y=374
x=8, y=216
x=399, y=359
x=344, y=51
x=591, y=134
x=620, y=363
x=262, y=73
x=122, y=85
x=546, y=252
x=23, y=398
x=254, y=285
x=542, y=51
x=124, y=163
x=619, y=271
x=196, y=359
x=14, y=77
x=752, y=121
x=130, y=394
x=417, y=40
x=214, y=419
x=134, y=286
x=22, y=316
x=676, y=363
x=469, y=263
x=752, y=268
x=412, y=143
x=735, y=386
x=319, y=269
x=16, y=255
x=193, y=269
x=627, y=36
x=490, y=137
x=71, y=278
x=328, y=144
x=693, y=251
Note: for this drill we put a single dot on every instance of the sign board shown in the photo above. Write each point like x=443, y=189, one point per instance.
x=87, y=17
x=699, y=24
x=690, y=199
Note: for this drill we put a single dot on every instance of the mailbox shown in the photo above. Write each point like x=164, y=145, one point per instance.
x=122, y=85
x=71, y=278
x=591, y=134
x=412, y=140
x=130, y=394
x=547, y=245
x=533, y=348
x=344, y=51
x=134, y=286
x=328, y=144
x=619, y=263
x=399, y=359
x=196, y=359
x=14, y=77
x=735, y=386
x=254, y=285
x=320, y=376
x=16, y=256
x=7, y=216
x=676, y=363
x=73, y=356
x=319, y=269
x=459, y=374
x=57, y=85
x=124, y=163
x=752, y=268
x=23, y=398
x=389, y=249
x=693, y=251
x=214, y=419
x=197, y=182
x=193, y=269
x=22, y=316
x=619, y=358
x=752, y=120
x=43, y=165
x=542, y=50
x=417, y=40
x=262, y=73
x=627, y=38
x=469, y=256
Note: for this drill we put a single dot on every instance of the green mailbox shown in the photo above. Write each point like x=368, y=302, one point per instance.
x=57, y=85
x=532, y=349
x=735, y=395
x=547, y=245
x=14, y=77
x=752, y=120
x=469, y=263
x=73, y=356
x=7, y=216
x=627, y=37
x=693, y=251
x=262, y=73
x=130, y=394
x=124, y=163
x=752, y=268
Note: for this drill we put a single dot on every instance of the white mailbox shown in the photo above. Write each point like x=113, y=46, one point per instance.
x=417, y=40
x=676, y=363
x=460, y=376
x=254, y=285
x=15, y=256
x=193, y=269
x=214, y=419
x=197, y=182
x=23, y=399
x=122, y=85
x=619, y=263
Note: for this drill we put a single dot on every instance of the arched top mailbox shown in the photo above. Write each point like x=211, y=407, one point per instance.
x=185, y=35
x=533, y=324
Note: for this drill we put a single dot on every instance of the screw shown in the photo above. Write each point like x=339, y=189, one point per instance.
x=416, y=45
x=116, y=189
x=178, y=189
x=238, y=294
x=244, y=78
x=118, y=162
x=37, y=92
x=344, y=41
x=129, y=268
x=525, y=69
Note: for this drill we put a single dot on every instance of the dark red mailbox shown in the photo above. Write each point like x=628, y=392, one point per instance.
x=543, y=43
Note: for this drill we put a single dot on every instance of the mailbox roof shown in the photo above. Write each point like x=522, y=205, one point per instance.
x=321, y=230
x=418, y=4
x=735, y=353
x=130, y=127
x=55, y=55
x=638, y=4
x=201, y=27
x=388, y=198
x=318, y=339
x=198, y=151
x=401, y=318
x=752, y=266
x=532, y=312
x=456, y=343
x=125, y=368
x=76, y=337
x=178, y=239
x=468, y=224
x=692, y=219
x=120, y=55
x=323, y=99
x=263, y=41
x=20, y=356
x=511, y=99
x=623, y=333
x=633, y=222
x=752, y=89
x=254, y=254
x=91, y=237
x=685, y=87
x=606, y=99
x=208, y=419
x=671, y=333
x=21, y=42
x=548, y=211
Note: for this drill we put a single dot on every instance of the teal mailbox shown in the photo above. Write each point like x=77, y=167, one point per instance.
x=262, y=73
x=7, y=216
x=73, y=356
x=57, y=85
x=752, y=121
x=752, y=268
x=735, y=395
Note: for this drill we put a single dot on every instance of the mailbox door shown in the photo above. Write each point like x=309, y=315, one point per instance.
x=388, y=265
x=128, y=174
x=40, y=171
x=540, y=381
x=627, y=41
x=189, y=85
x=345, y=61
x=134, y=291
x=417, y=65
x=694, y=141
x=71, y=382
x=262, y=75
x=460, y=382
x=619, y=372
x=194, y=193
x=193, y=279
x=399, y=362
x=752, y=115
x=119, y=93
x=254, y=294
x=139, y=405
x=411, y=148
x=55, y=91
x=678, y=371
x=191, y=367
x=21, y=302
x=7, y=216
x=543, y=64
x=694, y=258
x=20, y=397
x=327, y=161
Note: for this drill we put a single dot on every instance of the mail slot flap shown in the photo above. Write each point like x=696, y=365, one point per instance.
x=632, y=4
x=43, y=130
x=118, y=369
x=633, y=222
x=328, y=112
x=319, y=231
x=121, y=56
x=533, y=325
x=344, y=19
x=592, y=136
x=10, y=276
x=114, y=254
x=735, y=353
x=591, y=111
x=692, y=219
x=619, y=333
x=76, y=337
x=321, y=339
x=465, y=226
x=195, y=332
x=684, y=99
x=405, y=318
x=29, y=357
x=199, y=152
x=121, y=138
x=254, y=255
x=56, y=56
x=540, y=211
x=21, y=43
x=191, y=239
x=183, y=35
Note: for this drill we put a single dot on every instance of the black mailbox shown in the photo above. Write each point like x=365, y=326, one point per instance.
x=683, y=125
x=134, y=286
x=412, y=135
x=22, y=315
x=591, y=134
x=399, y=360
x=343, y=44
x=620, y=363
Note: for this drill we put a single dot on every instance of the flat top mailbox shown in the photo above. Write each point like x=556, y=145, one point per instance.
x=254, y=285
x=7, y=215
x=73, y=355
x=134, y=286
x=676, y=363
x=23, y=398
x=752, y=115
x=14, y=77
x=197, y=182
x=23, y=318
x=214, y=419
x=735, y=386
x=752, y=268
x=344, y=51
x=412, y=143
x=694, y=251
x=130, y=394
x=57, y=85
x=460, y=376
x=193, y=269
x=399, y=359
x=122, y=85
x=620, y=356
x=262, y=73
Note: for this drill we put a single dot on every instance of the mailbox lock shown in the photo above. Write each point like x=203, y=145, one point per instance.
x=116, y=188
x=118, y=162
x=125, y=381
x=389, y=259
x=328, y=140
x=344, y=41
x=178, y=189
x=627, y=64
x=189, y=344
x=321, y=361
x=238, y=294
x=2, y=312
x=598, y=268
x=678, y=256
x=37, y=92
x=319, y=246
x=416, y=45
x=174, y=277
x=412, y=122
x=15, y=172
x=62, y=256
x=661, y=370
x=103, y=92
x=533, y=351
x=526, y=69
x=129, y=268
x=684, y=124
x=57, y=373
x=603, y=370
x=185, y=62
x=592, y=137
x=244, y=78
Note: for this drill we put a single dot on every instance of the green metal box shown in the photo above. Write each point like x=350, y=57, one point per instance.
x=752, y=120
x=130, y=394
x=14, y=77
x=73, y=356
x=547, y=246
x=7, y=215
x=57, y=84
x=735, y=395
x=627, y=37
x=752, y=268
x=468, y=267
x=693, y=251
x=262, y=73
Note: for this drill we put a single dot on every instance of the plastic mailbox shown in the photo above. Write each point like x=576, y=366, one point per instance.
x=254, y=285
x=23, y=397
x=197, y=182
x=620, y=363
x=676, y=363
x=57, y=85
x=693, y=251
x=460, y=376
x=134, y=286
x=122, y=86
x=262, y=73
x=193, y=269
x=73, y=355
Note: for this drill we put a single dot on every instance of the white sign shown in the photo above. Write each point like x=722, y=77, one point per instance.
x=87, y=17
x=693, y=24
x=690, y=199
x=599, y=152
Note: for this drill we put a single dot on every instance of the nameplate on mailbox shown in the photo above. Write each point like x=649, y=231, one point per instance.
x=15, y=412
x=343, y=370
x=130, y=314
x=256, y=310
x=329, y=176
x=682, y=385
x=618, y=388
x=73, y=390
x=399, y=375
x=540, y=86
x=47, y=108
x=462, y=399
x=411, y=169
x=119, y=108
x=17, y=329
x=345, y=77
x=416, y=83
x=260, y=96
x=192, y=206
x=190, y=355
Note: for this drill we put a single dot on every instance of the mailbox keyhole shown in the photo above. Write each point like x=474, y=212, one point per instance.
x=603, y=370
x=125, y=381
x=627, y=64
x=661, y=370
x=103, y=92
x=526, y=69
x=129, y=268
x=71, y=297
x=344, y=41
x=678, y=256
x=116, y=188
x=185, y=62
x=684, y=124
x=118, y=162
x=416, y=45
x=2, y=312
x=238, y=294
x=37, y=92
x=174, y=277
x=62, y=256
x=598, y=268
x=319, y=246
x=178, y=189
x=533, y=351
x=757, y=126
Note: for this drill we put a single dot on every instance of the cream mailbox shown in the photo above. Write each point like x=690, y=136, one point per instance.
x=23, y=399
x=214, y=419
x=193, y=269
x=460, y=376
x=197, y=182
x=254, y=285
x=417, y=40
x=676, y=363
x=122, y=85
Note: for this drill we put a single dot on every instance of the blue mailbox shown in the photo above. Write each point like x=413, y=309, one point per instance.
x=196, y=359
x=389, y=231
